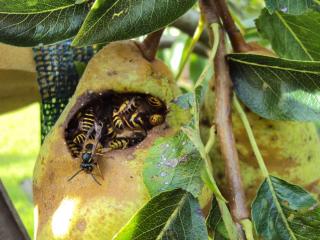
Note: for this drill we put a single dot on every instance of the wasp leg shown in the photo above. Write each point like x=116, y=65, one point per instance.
x=75, y=175
x=94, y=178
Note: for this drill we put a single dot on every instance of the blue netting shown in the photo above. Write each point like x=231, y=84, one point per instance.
x=57, y=78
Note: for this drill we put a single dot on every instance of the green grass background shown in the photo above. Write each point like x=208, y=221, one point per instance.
x=19, y=146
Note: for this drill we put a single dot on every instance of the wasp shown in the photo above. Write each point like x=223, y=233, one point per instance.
x=88, y=154
x=156, y=119
x=87, y=121
x=79, y=138
x=118, y=143
x=135, y=121
x=74, y=149
x=128, y=106
x=117, y=120
x=155, y=102
x=125, y=142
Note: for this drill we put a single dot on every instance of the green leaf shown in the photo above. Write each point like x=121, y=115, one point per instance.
x=214, y=216
x=215, y=222
x=121, y=19
x=33, y=6
x=291, y=6
x=293, y=37
x=285, y=211
x=50, y=26
x=170, y=215
x=276, y=88
x=173, y=163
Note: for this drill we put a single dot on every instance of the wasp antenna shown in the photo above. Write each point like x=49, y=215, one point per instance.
x=95, y=179
x=75, y=175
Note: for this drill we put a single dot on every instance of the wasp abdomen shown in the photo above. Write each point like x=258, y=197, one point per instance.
x=117, y=120
x=79, y=139
x=155, y=102
x=118, y=143
x=74, y=149
x=87, y=120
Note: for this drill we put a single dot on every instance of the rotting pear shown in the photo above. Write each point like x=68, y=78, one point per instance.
x=82, y=209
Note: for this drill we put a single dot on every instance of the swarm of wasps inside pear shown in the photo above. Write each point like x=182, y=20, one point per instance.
x=110, y=122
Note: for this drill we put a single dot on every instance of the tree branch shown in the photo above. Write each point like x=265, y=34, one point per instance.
x=223, y=122
x=238, y=42
x=150, y=44
x=223, y=93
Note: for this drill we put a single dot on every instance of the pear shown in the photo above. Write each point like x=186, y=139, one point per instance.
x=17, y=78
x=290, y=150
x=82, y=209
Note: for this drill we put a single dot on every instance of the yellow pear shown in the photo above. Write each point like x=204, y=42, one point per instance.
x=82, y=209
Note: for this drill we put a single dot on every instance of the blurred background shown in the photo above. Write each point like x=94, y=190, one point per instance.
x=20, y=123
x=19, y=146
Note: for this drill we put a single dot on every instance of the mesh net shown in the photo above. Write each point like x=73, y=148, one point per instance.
x=57, y=78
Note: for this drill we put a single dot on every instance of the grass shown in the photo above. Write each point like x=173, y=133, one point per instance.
x=19, y=146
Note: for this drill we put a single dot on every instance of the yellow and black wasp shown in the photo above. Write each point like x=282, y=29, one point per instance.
x=155, y=102
x=120, y=114
x=117, y=120
x=118, y=143
x=74, y=149
x=135, y=121
x=88, y=154
x=87, y=120
x=125, y=142
x=79, y=138
x=129, y=106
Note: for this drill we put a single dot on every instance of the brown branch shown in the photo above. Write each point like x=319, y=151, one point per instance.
x=223, y=95
x=238, y=42
x=150, y=44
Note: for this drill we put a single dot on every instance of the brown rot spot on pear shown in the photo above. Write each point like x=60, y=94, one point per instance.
x=81, y=225
x=104, y=122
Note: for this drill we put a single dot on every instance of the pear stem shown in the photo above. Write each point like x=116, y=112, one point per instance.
x=150, y=45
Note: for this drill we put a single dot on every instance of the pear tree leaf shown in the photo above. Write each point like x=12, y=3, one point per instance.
x=294, y=7
x=46, y=22
x=292, y=36
x=285, y=211
x=170, y=215
x=215, y=223
x=214, y=216
x=34, y=6
x=275, y=88
x=121, y=19
x=173, y=163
